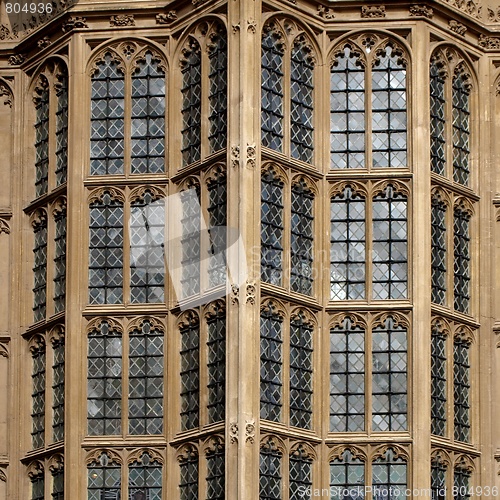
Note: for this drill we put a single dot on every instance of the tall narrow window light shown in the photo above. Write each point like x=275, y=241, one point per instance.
x=145, y=479
x=191, y=104
x=104, y=381
x=438, y=479
x=301, y=109
x=104, y=479
x=390, y=241
x=461, y=483
x=461, y=390
x=300, y=473
x=190, y=373
x=38, y=393
x=302, y=237
x=272, y=114
x=347, y=377
x=216, y=484
x=461, y=127
x=106, y=250
x=347, y=111
x=42, y=138
x=438, y=242
x=145, y=396
x=390, y=474
x=217, y=212
x=389, y=110
x=216, y=383
x=58, y=389
x=62, y=130
x=270, y=474
x=389, y=376
x=38, y=487
x=348, y=246
x=148, y=117
x=57, y=484
x=271, y=364
x=347, y=472
x=107, y=118
x=60, y=261
x=188, y=485
x=461, y=238
x=438, y=383
x=301, y=372
x=438, y=120
x=40, y=267
x=272, y=228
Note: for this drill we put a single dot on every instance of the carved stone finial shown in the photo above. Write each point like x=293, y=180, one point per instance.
x=421, y=10
x=372, y=11
x=120, y=20
x=73, y=23
x=458, y=28
x=166, y=17
x=325, y=12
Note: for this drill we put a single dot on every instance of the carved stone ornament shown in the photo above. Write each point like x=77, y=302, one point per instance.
x=44, y=42
x=74, y=23
x=458, y=28
x=489, y=42
x=121, y=20
x=372, y=11
x=470, y=7
x=250, y=431
x=233, y=432
x=252, y=26
x=56, y=463
x=251, y=155
x=6, y=33
x=494, y=17
x=35, y=469
x=3, y=476
x=17, y=59
x=6, y=94
x=4, y=350
x=103, y=457
x=4, y=226
x=325, y=12
x=251, y=292
x=421, y=10
x=235, y=294
x=235, y=156
x=166, y=17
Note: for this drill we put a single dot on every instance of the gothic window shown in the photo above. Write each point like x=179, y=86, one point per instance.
x=461, y=128
x=60, y=260
x=61, y=151
x=438, y=120
x=106, y=250
x=145, y=479
x=38, y=393
x=42, y=137
x=461, y=237
x=38, y=487
x=272, y=114
x=347, y=472
x=300, y=473
x=390, y=241
x=58, y=389
x=389, y=473
x=348, y=245
x=107, y=143
x=270, y=473
x=190, y=373
x=389, y=376
x=58, y=484
x=301, y=372
x=104, y=479
x=40, y=267
x=216, y=474
x=271, y=364
x=438, y=383
x=302, y=236
x=347, y=377
x=147, y=240
x=461, y=484
x=145, y=398
x=217, y=213
x=104, y=381
x=191, y=104
x=272, y=228
x=438, y=241
x=438, y=479
x=216, y=384
x=461, y=390
x=188, y=485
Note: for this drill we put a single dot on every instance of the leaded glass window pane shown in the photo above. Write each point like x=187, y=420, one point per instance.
x=62, y=131
x=461, y=239
x=58, y=391
x=58, y=485
x=461, y=482
x=147, y=241
x=107, y=118
x=271, y=228
x=104, y=381
x=389, y=377
x=270, y=473
x=438, y=480
x=217, y=212
x=145, y=393
x=216, y=484
x=216, y=365
x=106, y=251
x=389, y=475
x=347, y=477
x=389, y=111
x=104, y=480
x=301, y=110
x=348, y=246
x=40, y=270
x=145, y=479
x=438, y=121
x=301, y=373
x=300, y=474
x=461, y=391
x=148, y=117
x=60, y=262
x=461, y=128
x=38, y=488
x=390, y=242
x=272, y=91
x=301, y=274
x=347, y=112
x=347, y=378
x=38, y=395
x=189, y=477
x=191, y=104
x=42, y=139
x=438, y=384
x=438, y=242
x=271, y=365
x=190, y=374
x=218, y=93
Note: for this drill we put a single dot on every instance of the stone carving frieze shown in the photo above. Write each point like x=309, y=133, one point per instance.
x=166, y=17
x=489, y=42
x=325, y=12
x=421, y=10
x=373, y=11
x=494, y=16
x=470, y=7
x=458, y=28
